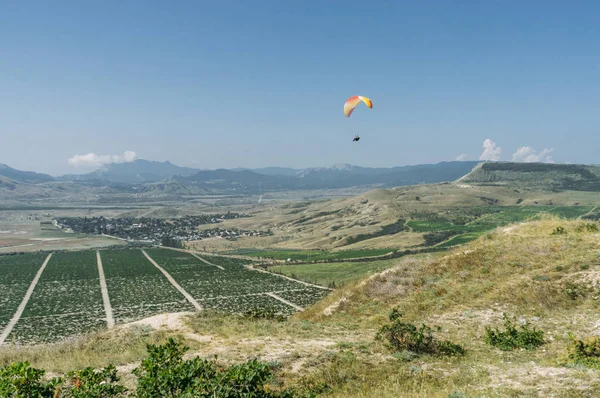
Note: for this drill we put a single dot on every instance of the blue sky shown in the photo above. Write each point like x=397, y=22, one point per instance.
x=262, y=83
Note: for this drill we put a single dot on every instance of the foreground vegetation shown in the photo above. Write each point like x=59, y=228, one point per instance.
x=513, y=313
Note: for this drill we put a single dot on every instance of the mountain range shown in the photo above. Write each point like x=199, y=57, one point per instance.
x=144, y=180
x=269, y=178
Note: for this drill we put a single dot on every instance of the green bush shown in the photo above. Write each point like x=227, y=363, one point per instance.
x=589, y=227
x=524, y=337
x=559, y=231
x=403, y=336
x=574, y=290
x=92, y=383
x=164, y=373
x=20, y=380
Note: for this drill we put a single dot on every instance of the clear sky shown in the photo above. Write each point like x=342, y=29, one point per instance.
x=260, y=83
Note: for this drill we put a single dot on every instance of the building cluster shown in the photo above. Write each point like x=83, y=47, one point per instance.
x=154, y=230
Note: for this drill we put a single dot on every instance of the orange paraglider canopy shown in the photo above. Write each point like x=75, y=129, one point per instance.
x=353, y=101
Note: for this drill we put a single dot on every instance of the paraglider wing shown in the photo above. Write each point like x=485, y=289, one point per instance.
x=353, y=101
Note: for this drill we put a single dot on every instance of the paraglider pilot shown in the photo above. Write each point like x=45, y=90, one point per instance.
x=356, y=138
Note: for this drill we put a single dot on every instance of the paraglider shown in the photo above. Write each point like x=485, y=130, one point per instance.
x=353, y=101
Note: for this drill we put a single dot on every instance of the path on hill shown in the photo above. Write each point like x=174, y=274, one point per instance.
x=589, y=212
x=23, y=304
x=284, y=301
x=174, y=282
x=287, y=277
x=207, y=262
x=110, y=322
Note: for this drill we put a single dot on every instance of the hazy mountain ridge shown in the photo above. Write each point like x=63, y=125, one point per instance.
x=24, y=176
x=146, y=180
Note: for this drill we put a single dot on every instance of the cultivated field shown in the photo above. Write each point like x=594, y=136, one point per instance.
x=53, y=296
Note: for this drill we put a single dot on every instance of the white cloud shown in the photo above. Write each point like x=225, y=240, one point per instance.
x=490, y=150
x=93, y=160
x=462, y=156
x=527, y=154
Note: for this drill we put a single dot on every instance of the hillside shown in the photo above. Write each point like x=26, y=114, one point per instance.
x=402, y=217
x=556, y=177
x=23, y=176
x=545, y=281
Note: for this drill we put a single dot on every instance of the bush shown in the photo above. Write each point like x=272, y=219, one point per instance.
x=585, y=352
x=92, y=383
x=559, y=231
x=524, y=337
x=164, y=373
x=574, y=290
x=589, y=227
x=403, y=336
x=20, y=380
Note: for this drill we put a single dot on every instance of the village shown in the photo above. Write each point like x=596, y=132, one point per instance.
x=156, y=230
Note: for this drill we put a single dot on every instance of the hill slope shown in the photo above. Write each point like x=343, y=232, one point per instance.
x=23, y=176
x=527, y=271
x=555, y=177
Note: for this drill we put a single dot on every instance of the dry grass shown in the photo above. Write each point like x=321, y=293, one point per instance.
x=117, y=347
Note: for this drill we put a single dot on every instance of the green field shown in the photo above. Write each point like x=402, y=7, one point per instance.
x=16, y=273
x=310, y=255
x=67, y=300
x=338, y=274
x=492, y=217
x=461, y=239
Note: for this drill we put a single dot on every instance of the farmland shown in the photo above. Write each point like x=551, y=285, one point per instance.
x=67, y=299
x=310, y=255
x=16, y=273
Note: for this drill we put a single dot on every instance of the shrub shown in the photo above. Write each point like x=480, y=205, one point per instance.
x=559, y=231
x=585, y=352
x=92, y=383
x=524, y=337
x=20, y=380
x=403, y=336
x=165, y=374
x=574, y=290
x=589, y=227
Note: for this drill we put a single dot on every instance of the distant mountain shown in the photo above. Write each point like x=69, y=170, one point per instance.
x=276, y=171
x=339, y=176
x=23, y=176
x=557, y=177
x=139, y=171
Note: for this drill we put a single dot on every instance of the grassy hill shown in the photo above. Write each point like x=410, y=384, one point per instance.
x=555, y=177
x=405, y=217
x=543, y=275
